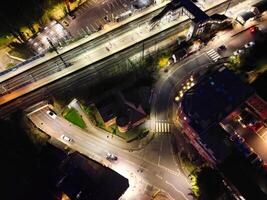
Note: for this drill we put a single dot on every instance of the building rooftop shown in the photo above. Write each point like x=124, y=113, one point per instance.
x=86, y=179
x=215, y=96
x=217, y=140
x=107, y=108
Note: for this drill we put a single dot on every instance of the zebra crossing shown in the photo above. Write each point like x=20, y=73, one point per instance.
x=162, y=127
x=213, y=55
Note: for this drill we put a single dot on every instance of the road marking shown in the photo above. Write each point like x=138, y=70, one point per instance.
x=213, y=55
x=176, y=189
x=159, y=176
x=162, y=127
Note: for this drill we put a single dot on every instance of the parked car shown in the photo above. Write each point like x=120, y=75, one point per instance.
x=52, y=114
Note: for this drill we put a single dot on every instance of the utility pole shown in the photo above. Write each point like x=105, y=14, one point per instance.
x=55, y=49
x=227, y=6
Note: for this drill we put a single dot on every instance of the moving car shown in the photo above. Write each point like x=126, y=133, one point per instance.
x=221, y=48
x=254, y=29
x=52, y=114
x=66, y=138
x=239, y=52
x=249, y=45
x=111, y=157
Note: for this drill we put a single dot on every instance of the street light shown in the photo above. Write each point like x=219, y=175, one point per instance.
x=55, y=49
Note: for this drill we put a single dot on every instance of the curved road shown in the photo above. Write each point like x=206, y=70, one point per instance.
x=156, y=161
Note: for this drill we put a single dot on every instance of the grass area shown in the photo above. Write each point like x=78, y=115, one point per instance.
x=262, y=68
x=5, y=40
x=73, y=116
x=9, y=65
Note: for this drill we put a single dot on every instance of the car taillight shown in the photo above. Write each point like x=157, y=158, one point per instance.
x=252, y=30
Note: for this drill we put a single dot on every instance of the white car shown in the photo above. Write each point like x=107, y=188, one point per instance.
x=239, y=52
x=66, y=138
x=111, y=157
x=249, y=45
x=52, y=114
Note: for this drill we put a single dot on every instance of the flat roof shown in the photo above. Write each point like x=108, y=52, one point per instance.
x=218, y=141
x=216, y=95
x=258, y=105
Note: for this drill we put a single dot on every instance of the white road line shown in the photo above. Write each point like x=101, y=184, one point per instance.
x=166, y=130
x=159, y=176
x=176, y=189
x=213, y=54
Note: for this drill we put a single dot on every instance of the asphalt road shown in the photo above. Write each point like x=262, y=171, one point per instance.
x=90, y=15
x=155, y=172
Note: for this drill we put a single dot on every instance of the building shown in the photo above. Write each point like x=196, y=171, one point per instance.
x=212, y=114
x=85, y=179
x=107, y=109
x=118, y=110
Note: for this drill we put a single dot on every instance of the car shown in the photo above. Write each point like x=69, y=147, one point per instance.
x=239, y=52
x=249, y=45
x=221, y=48
x=254, y=29
x=52, y=114
x=66, y=138
x=111, y=157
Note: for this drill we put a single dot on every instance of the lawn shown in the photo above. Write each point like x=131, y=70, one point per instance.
x=73, y=116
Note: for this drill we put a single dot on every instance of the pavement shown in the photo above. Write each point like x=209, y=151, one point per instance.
x=91, y=15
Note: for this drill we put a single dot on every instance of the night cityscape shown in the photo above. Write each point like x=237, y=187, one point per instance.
x=133, y=99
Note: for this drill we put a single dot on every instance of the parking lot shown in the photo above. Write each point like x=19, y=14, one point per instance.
x=93, y=14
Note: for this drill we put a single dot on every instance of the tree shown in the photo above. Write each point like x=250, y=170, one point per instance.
x=207, y=184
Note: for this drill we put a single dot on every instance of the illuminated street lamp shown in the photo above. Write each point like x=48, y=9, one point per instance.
x=177, y=98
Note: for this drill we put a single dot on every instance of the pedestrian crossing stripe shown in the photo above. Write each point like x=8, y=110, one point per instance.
x=213, y=55
x=162, y=127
